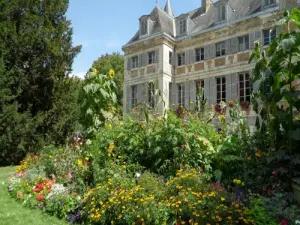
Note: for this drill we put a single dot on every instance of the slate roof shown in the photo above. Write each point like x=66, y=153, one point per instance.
x=164, y=22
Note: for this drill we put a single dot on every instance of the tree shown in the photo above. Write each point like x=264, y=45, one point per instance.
x=113, y=61
x=37, y=51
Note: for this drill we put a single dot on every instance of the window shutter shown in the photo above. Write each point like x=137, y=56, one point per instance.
x=140, y=60
x=206, y=90
x=140, y=98
x=174, y=96
x=187, y=94
x=192, y=95
x=212, y=49
x=258, y=35
x=213, y=90
x=156, y=55
x=234, y=87
x=145, y=59
x=234, y=45
x=128, y=63
x=187, y=57
x=144, y=94
x=128, y=98
x=228, y=88
x=206, y=52
x=251, y=40
x=192, y=56
x=227, y=47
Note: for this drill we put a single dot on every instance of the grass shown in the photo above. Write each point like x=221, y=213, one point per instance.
x=13, y=213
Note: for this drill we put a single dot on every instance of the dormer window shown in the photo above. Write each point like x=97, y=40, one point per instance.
x=269, y=2
x=144, y=27
x=221, y=13
x=182, y=26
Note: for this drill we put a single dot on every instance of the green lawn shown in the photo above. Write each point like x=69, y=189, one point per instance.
x=13, y=213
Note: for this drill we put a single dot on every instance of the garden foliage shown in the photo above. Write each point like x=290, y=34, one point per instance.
x=177, y=169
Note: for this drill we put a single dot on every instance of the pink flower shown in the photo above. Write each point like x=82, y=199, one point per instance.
x=284, y=222
x=274, y=173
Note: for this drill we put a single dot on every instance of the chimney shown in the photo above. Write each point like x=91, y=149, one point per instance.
x=205, y=5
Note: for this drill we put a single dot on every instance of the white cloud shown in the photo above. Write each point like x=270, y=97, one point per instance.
x=80, y=75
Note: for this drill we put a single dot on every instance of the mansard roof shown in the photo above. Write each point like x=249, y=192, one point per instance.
x=203, y=19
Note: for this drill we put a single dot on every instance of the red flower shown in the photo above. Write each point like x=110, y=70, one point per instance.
x=201, y=170
x=284, y=222
x=41, y=197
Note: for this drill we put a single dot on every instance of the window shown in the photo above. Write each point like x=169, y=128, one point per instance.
x=199, y=90
x=170, y=58
x=269, y=2
x=244, y=43
x=144, y=27
x=181, y=59
x=133, y=96
x=220, y=49
x=221, y=89
x=181, y=94
x=268, y=36
x=182, y=26
x=134, y=62
x=151, y=57
x=221, y=13
x=199, y=54
x=244, y=88
x=151, y=92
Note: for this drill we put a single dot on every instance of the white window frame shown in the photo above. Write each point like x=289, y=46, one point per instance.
x=151, y=57
x=181, y=95
x=221, y=89
x=244, y=87
x=221, y=13
x=199, y=54
x=268, y=36
x=244, y=43
x=151, y=93
x=135, y=62
x=220, y=49
x=182, y=26
x=144, y=27
x=133, y=96
x=181, y=59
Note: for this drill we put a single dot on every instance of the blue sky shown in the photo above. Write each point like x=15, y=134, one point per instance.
x=103, y=26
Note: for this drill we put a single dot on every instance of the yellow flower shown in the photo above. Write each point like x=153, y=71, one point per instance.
x=111, y=73
x=223, y=199
x=86, y=158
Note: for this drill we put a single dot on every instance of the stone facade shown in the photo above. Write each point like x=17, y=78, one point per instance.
x=174, y=53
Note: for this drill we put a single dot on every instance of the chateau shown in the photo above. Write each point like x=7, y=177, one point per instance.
x=208, y=47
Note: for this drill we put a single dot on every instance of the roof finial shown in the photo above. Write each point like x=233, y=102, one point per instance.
x=168, y=8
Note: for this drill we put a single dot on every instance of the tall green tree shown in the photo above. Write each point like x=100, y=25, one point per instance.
x=113, y=61
x=37, y=51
